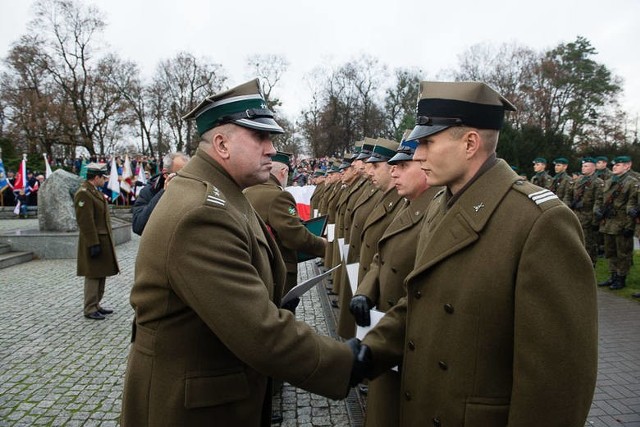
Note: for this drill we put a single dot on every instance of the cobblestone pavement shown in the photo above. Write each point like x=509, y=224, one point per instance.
x=58, y=368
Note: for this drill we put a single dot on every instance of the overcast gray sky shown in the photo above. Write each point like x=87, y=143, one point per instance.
x=423, y=34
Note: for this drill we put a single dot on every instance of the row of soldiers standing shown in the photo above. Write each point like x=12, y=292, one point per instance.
x=376, y=197
x=607, y=204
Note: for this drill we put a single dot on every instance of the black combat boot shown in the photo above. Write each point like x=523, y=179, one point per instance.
x=610, y=281
x=619, y=283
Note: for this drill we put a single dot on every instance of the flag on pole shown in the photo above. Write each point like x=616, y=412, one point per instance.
x=83, y=169
x=4, y=182
x=125, y=184
x=48, y=172
x=113, y=184
x=20, y=183
x=142, y=177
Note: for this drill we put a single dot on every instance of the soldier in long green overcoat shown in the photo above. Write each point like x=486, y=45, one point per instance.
x=499, y=325
x=208, y=328
x=96, y=248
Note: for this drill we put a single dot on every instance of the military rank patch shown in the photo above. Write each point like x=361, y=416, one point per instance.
x=542, y=196
x=292, y=210
x=215, y=197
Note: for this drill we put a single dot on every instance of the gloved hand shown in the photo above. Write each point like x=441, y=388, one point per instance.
x=291, y=305
x=362, y=364
x=598, y=215
x=95, y=250
x=360, y=306
x=634, y=213
x=627, y=232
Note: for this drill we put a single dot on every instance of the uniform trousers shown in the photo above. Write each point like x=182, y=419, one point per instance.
x=93, y=293
x=591, y=243
x=618, y=249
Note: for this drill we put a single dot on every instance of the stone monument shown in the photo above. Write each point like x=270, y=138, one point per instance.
x=55, y=202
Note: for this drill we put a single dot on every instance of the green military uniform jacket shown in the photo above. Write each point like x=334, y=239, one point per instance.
x=582, y=196
x=542, y=179
x=330, y=205
x=277, y=208
x=560, y=184
x=499, y=325
x=316, y=196
x=617, y=198
x=94, y=226
x=361, y=211
x=375, y=225
x=383, y=285
x=208, y=330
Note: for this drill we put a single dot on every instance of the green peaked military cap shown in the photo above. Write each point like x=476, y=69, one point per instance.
x=406, y=149
x=621, y=159
x=445, y=104
x=282, y=157
x=588, y=160
x=560, y=161
x=242, y=105
x=367, y=148
x=357, y=147
x=539, y=160
x=97, y=169
x=602, y=159
x=383, y=150
x=319, y=172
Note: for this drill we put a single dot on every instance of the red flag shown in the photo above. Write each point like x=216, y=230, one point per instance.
x=21, y=178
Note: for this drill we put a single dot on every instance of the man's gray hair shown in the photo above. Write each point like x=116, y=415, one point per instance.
x=167, y=161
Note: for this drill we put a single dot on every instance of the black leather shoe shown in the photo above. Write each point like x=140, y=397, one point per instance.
x=96, y=315
x=330, y=292
x=636, y=295
x=334, y=304
x=363, y=388
x=103, y=310
x=276, y=418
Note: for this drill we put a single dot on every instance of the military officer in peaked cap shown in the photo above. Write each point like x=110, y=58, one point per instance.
x=277, y=208
x=491, y=332
x=209, y=332
x=96, y=248
x=382, y=285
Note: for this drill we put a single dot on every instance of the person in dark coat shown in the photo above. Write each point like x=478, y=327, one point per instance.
x=152, y=192
x=96, y=248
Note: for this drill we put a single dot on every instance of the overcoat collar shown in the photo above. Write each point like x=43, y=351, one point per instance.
x=387, y=204
x=449, y=231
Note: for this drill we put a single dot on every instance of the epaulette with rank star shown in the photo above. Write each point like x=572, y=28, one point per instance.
x=214, y=197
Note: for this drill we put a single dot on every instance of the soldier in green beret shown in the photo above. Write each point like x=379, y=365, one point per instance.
x=561, y=180
x=541, y=177
x=581, y=197
x=602, y=171
x=615, y=212
x=491, y=317
x=209, y=332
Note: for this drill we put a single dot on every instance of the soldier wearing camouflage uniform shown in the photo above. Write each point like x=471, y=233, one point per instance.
x=615, y=222
x=581, y=197
x=541, y=177
x=561, y=180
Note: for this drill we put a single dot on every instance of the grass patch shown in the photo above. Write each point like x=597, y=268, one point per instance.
x=633, y=279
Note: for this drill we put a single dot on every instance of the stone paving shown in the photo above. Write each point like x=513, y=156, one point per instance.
x=58, y=368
